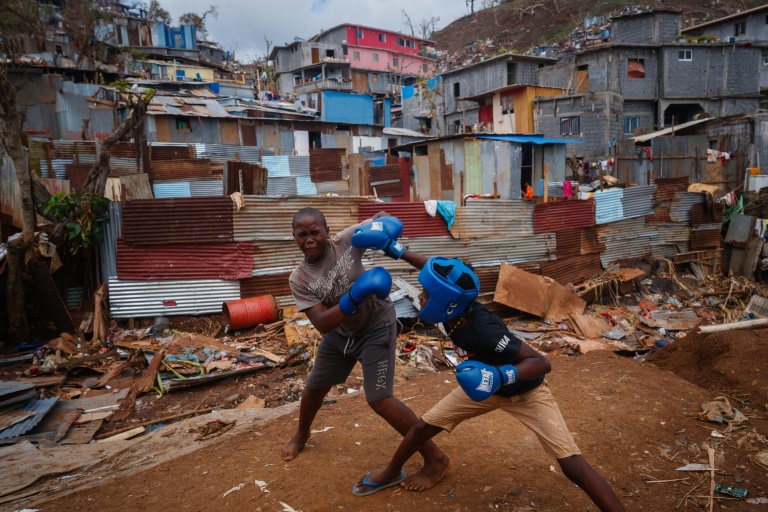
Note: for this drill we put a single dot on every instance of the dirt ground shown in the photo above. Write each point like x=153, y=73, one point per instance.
x=635, y=422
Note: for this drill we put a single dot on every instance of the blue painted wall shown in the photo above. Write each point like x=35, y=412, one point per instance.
x=341, y=107
x=387, y=112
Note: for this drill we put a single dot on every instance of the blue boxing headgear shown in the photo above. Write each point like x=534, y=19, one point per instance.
x=452, y=286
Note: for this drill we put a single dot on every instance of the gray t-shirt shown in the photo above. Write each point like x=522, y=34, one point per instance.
x=328, y=279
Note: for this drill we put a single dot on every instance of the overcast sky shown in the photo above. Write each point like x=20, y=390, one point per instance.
x=243, y=24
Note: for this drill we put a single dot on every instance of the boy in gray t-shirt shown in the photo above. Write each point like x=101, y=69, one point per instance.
x=353, y=330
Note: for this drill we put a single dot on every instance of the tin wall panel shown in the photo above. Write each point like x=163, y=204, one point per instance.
x=138, y=299
x=274, y=284
x=178, y=221
x=625, y=240
x=512, y=249
x=204, y=188
x=740, y=230
x=555, y=188
x=638, y=201
x=276, y=256
x=282, y=186
x=333, y=187
x=680, y=211
x=167, y=189
x=179, y=262
x=706, y=236
x=111, y=230
x=269, y=218
x=305, y=187
x=705, y=214
x=666, y=188
x=493, y=217
x=416, y=221
x=176, y=170
x=327, y=164
x=573, y=270
x=445, y=246
x=568, y=243
x=608, y=205
x=560, y=215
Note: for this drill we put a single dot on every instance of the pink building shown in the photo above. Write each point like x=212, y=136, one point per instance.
x=378, y=50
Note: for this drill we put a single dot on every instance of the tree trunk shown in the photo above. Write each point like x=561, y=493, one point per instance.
x=97, y=178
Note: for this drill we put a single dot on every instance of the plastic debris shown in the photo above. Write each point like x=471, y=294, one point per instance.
x=235, y=488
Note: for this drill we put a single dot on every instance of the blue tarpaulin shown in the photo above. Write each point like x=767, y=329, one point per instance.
x=533, y=139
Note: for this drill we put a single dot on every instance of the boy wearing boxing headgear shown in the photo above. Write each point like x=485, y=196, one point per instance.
x=499, y=372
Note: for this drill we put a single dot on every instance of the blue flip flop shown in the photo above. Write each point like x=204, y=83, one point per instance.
x=376, y=487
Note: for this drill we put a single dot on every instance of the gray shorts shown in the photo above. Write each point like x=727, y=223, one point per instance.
x=375, y=349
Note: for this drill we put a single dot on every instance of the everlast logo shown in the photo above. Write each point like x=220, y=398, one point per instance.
x=381, y=374
x=503, y=342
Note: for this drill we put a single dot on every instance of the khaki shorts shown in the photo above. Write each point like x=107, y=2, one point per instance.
x=536, y=409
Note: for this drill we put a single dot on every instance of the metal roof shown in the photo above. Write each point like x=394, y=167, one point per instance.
x=668, y=131
x=168, y=298
x=533, y=139
x=39, y=407
x=724, y=19
x=404, y=132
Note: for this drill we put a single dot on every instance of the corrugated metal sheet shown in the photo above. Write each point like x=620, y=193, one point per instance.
x=493, y=217
x=273, y=284
x=205, y=188
x=39, y=407
x=166, y=189
x=706, y=236
x=282, y=186
x=179, y=262
x=680, y=211
x=140, y=299
x=608, y=205
x=446, y=246
x=275, y=256
x=555, y=188
x=740, y=230
x=625, y=240
x=559, y=215
x=666, y=188
x=333, y=187
x=416, y=221
x=112, y=230
x=269, y=218
x=217, y=152
x=178, y=221
x=577, y=242
x=327, y=164
x=305, y=187
x=669, y=250
x=638, y=201
x=511, y=249
x=176, y=170
x=702, y=214
x=574, y=270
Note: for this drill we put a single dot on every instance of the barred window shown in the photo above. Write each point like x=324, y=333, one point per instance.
x=570, y=125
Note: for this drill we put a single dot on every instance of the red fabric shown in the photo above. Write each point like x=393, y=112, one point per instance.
x=486, y=114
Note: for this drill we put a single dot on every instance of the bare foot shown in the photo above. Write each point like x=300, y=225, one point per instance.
x=295, y=445
x=428, y=476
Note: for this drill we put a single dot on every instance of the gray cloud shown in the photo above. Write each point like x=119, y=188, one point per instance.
x=242, y=25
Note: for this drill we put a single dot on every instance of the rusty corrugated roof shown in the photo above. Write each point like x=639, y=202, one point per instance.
x=228, y=260
x=561, y=215
x=186, y=220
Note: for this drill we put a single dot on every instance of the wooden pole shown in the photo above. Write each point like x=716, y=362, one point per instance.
x=736, y=325
x=546, y=181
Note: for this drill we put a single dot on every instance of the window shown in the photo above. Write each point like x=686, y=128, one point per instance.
x=630, y=123
x=359, y=33
x=330, y=53
x=765, y=58
x=410, y=44
x=375, y=57
x=383, y=38
x=356, y=55
x=425, y=68
x=456, y=89
x=182, y=123
x=739, y=29
x=374, y=78
x=636, y=68
x=570, y=125
x=400, y=41
x=508, y=104
x=686, y=55
x=395, y=62
x=511, y=73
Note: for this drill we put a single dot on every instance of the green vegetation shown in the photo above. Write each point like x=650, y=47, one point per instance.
x=87, y=211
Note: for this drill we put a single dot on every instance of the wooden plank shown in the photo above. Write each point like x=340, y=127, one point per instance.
x=82, y=434
x=54, y=426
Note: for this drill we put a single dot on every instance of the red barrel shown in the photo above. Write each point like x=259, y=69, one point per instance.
x=239, y=314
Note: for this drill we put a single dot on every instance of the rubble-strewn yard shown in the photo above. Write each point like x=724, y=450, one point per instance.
x=644, y=392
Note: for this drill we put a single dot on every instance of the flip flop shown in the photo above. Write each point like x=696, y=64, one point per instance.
x=375, y=486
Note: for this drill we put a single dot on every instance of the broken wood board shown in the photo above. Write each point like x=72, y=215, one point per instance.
x=587, y=345
x=682, y=320
x=44, y=381
x=87, y=404
x=588, y=326
x=93, y=416
x=147, y=379
x=269, y=355
x=536, y=295
x=82, y=434
x=11, y=418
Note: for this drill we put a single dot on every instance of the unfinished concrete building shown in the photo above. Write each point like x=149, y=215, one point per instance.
x=647, y=79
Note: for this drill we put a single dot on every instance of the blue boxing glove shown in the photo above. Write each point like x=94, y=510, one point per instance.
x=381, y=234
x=376, y=281
x=479, y=380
